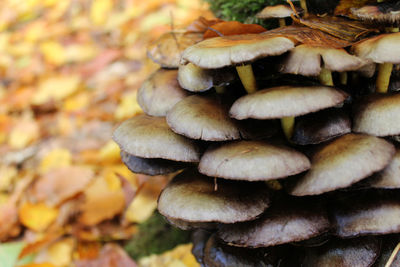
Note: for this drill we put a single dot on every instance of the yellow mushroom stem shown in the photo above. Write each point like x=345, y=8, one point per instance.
x=383, y=79
x=282, y=22
x=287, y=124
x=246, y=75
x=220, y=89
x=325, y=77
x=303, y=4
x=274, y=185
x=343, y=78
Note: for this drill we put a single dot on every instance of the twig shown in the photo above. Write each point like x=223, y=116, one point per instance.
x=393, y=255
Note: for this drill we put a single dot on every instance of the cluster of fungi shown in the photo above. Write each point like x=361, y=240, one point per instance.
x=284, y=142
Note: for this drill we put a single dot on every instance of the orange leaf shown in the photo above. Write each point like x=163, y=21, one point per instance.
x=232, y=28
x=37, y=216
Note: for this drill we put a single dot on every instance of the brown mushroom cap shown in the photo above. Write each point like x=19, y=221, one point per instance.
x=368, y=214
x=203, y=117
x=150, y=166
x=160, y=92
x=252, y=161
x=167, y=49
x=345, y=161
x=359, y=252
x=285, y=101
x=225, y=51
x=186, y=225
x=321, y=126
x=378, y=114
x=150, y=137
x=389, y=177
x=277, y=11
x=191, y=197
x=383, y=48
x=196, y=79
x=283, y=223
x=306, y=60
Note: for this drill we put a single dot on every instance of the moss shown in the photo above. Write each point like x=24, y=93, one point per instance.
x=155, y=236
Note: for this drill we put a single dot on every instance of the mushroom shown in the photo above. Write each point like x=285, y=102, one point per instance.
x=286, y=103
x=389, y=177
x=252, y=161
x=160, y=92
x=196, y=79
x=378, y=114
x=358, y=252
x=167, y=49
x=343, y=162
x=286, y=222
x=236, y=50
x=192, y=197
x=150, y=137
x=383, y=49
x=278, y=11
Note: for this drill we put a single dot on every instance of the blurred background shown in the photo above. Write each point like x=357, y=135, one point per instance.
x=69, y=74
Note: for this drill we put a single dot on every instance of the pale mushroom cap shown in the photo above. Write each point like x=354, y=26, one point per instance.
x=150, y=137
x=191, y=197
x=371, y=214
x=235, y=49
x=383, y=48
x=389, y=177
x=378, y=114
x=160, y=92
x=345, y=161
x=306, y=60
x=382, y=13
x=359, y=252
x=252, y=161
x=279, y=225
x=278, y=11
x=150, y=166
x=167, y=49
x=285, y=101
x=202, y=117
x=196, y=79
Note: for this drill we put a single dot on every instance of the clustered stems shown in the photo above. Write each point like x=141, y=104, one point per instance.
x=383, y=79
x=282, y=22
x=325, y=77
x=247, y=78
x=288, y=126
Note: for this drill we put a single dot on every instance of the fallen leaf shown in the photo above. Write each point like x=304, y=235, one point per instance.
x=7, y=176
x=24, y=133
x=38, y=265
x=56, y=158
x=9, y=253
x=181, y=256
x=59, y=253
x=100, y=11
x=226, y=28
x=141, y=208
x=37, y=216
x=128, y=107
x=56, y=88
x=53, y=52
x=88, y=250
x=110, y=153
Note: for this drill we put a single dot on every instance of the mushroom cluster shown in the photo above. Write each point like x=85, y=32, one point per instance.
x=284, y=143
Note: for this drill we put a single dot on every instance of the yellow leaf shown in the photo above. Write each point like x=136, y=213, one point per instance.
x=180, y=256
x=100, y=11
x=80, y=53
x=110, y=174
x=53, y=52
x=60, y=253
x=141, y=208
x=59, y=157
x=38, y=265
x=7, y=176
x=128, y=107
x=77, y=102
x=25, y=132
x=110, y=152
x=37, y=217
x=56, y=88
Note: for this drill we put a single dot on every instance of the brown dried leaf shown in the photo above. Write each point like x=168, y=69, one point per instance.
x=226, y=28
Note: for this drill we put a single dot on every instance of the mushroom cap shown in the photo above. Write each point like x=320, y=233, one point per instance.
x=345, y=161
x=383, y=48
x=321, y=126
x=150, y=137
x=306, y=60
x=203, y=117
x=186, y=225
x=359, y=252
x=150, y=166
x=285, y=101
x=369, y=214
x=191, y=197
x=199, y=238
x=167, y=49
x=277, y=11
x=160, y=92
x=378, y=114
x=196, y=79
x=252, y=161
x=225, y=51
x=389, y=177
x=387, y=13
x=283, y=223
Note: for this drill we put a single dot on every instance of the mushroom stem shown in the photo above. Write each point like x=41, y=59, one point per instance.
x=274, y=185
x=303, y=4
x=246, y=75
x=343, y=78
x=392, y=29
x=325, y=77
x=288, y=126
x=383, y=79
x=282, y=22
x=220, y=89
